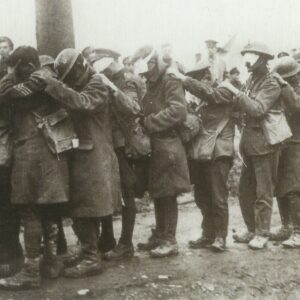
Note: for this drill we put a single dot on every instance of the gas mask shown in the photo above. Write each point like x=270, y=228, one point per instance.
x=250, y=59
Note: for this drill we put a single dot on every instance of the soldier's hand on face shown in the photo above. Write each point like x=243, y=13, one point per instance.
x=107, y=82
x=42, y=75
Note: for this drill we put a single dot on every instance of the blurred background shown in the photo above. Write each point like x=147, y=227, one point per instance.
x=124, y=25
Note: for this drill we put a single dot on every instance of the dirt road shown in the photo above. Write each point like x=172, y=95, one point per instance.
x=239, y=273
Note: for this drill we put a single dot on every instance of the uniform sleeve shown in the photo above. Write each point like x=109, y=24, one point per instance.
x=264, y=100
x=93, y=97
x=291, y=98
x=197, y=88
x=175, y=113
x=205, y=92
x=126, y=101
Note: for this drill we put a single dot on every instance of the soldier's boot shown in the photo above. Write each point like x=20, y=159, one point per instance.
x=285, y=230
x=12, y=267
x=243, y=236
x=258, y=242
x=125, y=245
x=90, y=265
x=84, y=269
x=73, y=258
x=28, y=278
x=121, y=251
x=125, y=249
x=155, y=238
x=293, y=241
x=219, y=244
x=51, y=265
x=281, y=234
x=169, y=245
x=202, y=242
x=14, y=263
x=153, y=241
x=166, y=249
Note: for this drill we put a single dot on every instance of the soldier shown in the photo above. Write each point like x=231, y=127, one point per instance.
x=94, y=179
x=39, y=177
x=288, y=188
x=257, y=183
x=6, y=47
x=115, y=73
x=165, y=109
x=210, y=176
x=47, y=62
x=217, y=64
x=11, y=257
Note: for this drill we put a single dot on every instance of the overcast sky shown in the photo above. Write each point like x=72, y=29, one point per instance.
x=125, y=25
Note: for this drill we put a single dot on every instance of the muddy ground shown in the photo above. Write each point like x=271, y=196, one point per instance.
x=239, y=273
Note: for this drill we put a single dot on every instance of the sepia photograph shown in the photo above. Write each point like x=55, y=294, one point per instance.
x=149, y=149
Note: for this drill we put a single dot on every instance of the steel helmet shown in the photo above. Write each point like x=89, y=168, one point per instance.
x=286, y=67
x=258, y=48
x=200, y=66
x=46, y=60
x=64, y=62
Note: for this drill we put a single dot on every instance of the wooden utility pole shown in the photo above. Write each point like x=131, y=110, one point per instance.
x=54, y=26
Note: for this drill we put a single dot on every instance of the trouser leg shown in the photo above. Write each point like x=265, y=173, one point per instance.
x=87, y=231
x=219, y=191
x=128, y=181
x=159, y=208
x=61, y=238
x=294, y=200
x=265, y=168
x=128, y=219
x=10, y=247
x=171, y=217
x=203, y=198
x=247, y=194
x=284, y=210
x=50, y=230
x=107, y=228
x=33, y=230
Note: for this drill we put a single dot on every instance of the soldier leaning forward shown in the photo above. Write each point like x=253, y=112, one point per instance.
x=94, y=174
x=122, y=121
x=260, y=144
x=288, y=188
x=165, y=110
x=40, y=183
x=11, y=256
x=209, y=168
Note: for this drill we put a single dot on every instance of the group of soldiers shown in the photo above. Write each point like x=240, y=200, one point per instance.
x=82, y=134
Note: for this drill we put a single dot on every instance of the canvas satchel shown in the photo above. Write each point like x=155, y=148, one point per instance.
x=202, y=146
x=275, y=126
